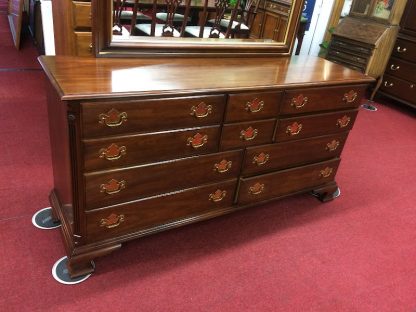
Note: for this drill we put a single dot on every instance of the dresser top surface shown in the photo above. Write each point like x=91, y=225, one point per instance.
x=78, y=78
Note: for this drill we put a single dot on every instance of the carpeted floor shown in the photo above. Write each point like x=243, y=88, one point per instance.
x=357, y=253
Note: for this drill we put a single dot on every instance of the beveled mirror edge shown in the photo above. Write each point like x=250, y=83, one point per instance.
x=103, y=47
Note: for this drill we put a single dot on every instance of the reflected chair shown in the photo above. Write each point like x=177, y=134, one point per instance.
x=122, y=16
x=215, y=30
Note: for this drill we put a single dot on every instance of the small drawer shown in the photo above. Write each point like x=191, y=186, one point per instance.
x=279, y=156
x=349, y=57
x=247, y=133
x=337, y=60
x=401, y=69
x=250, y=106
x=268, y=186
x=122, y=185
x=321, y=99
x=405, y=50
x=399, y=88
x=139, y=215
x=352, y=47
x=277, y=8
x=110, y=118
x=149, y=147
x=83, y=43
x=81, y=12
x=316, y=125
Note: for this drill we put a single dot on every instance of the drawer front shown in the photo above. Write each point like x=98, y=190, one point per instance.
x=319, y=99
x=293, y=153
x=149, y=147
x=309, y=126
x=401, y=69
x=399, y=88
x=349, y=46
x=349, y=57
x=122, y=219
x=247, y=133
x=81, y=14
x=343, y=62
x=405, y=50
x=284, y=182
x=117, y=186
x=83, y=43
x=250, y=106
x=109, y=118
x=277, y=8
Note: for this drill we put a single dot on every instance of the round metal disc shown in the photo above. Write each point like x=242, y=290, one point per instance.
x=61, y=274
x=43, y=219
x=369, y=107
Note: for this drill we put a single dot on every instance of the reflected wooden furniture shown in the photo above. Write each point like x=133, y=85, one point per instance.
x=189, y=140
x=14, y=15
x=399, y=81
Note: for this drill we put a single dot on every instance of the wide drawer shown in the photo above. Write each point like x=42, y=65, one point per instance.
x=402, y=69
x=149, y=147
x=81, y=14
x=346, y=63
x=284, y=182
x=350, y=57
x=320, y=99
x=405, y=50
x=117, y=186
x=247, y=133
x=351, y=46
x=83, y=43
x=139, y=215
x=109, y=118
x=250, y=106
x=308, y=126
x=399, y=88
x=293, y=153
x=277, y=8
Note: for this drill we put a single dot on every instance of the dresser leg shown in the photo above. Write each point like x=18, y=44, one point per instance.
x=327, y=192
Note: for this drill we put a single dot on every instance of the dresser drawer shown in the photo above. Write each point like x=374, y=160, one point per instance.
x=134, y=216
x=401, y=69
x=361, y=60
x=268, y=186
x=343, y=62
x=320, y=99
x=109, y=118
x=277, y=8
x=247, y=133
x=309, y=126
x=81, y=14
x=250, y=106
x=149, y=147
x=122, y=185
x=351, y=46
x=405, y=50
x=83, y=43
x=399, y=88
x=293, y=153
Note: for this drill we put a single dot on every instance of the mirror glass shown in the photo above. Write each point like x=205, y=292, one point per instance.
x=197, y=27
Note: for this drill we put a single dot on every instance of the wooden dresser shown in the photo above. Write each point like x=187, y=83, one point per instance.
x=399, y=81
x=144, y=145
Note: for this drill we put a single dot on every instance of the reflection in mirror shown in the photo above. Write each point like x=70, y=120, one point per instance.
x=217, y=19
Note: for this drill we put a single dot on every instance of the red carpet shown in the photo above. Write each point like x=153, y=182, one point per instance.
x=357, y=253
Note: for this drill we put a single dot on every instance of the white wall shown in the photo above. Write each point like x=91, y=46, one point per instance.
x=47, y=23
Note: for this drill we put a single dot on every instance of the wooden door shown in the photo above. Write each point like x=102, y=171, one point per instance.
x=408, y=22
x=257, y=25
x=15, y=20
x=271, y=25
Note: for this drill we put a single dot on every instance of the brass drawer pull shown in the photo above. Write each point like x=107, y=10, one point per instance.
x=112, y=187
x=401, y=50
x=350, y=96
x=256, y=189
x=217, y=196
x=249, y=134
x=326, y=172
x=202, y=110
x=113, y=118
x=332, y=146
x=254, y=106
x=112, y=221
x=388, y=84
x=90, y=48
x=261, y=159
x=223, y=166
x=394, y=67
x=197, y=141
x=294, y=129
x=344, y=121
x=113, y=152
x=299, y=101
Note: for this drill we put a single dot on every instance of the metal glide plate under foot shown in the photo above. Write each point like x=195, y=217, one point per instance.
x=43, y=219
x=61, y=274
x=369, y=107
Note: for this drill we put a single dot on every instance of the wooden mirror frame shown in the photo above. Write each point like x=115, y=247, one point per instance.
x=181, y=47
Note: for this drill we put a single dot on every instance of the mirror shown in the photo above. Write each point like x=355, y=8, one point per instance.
x=194, y=27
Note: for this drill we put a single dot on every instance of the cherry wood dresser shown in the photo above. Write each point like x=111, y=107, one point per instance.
x=144, y=145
